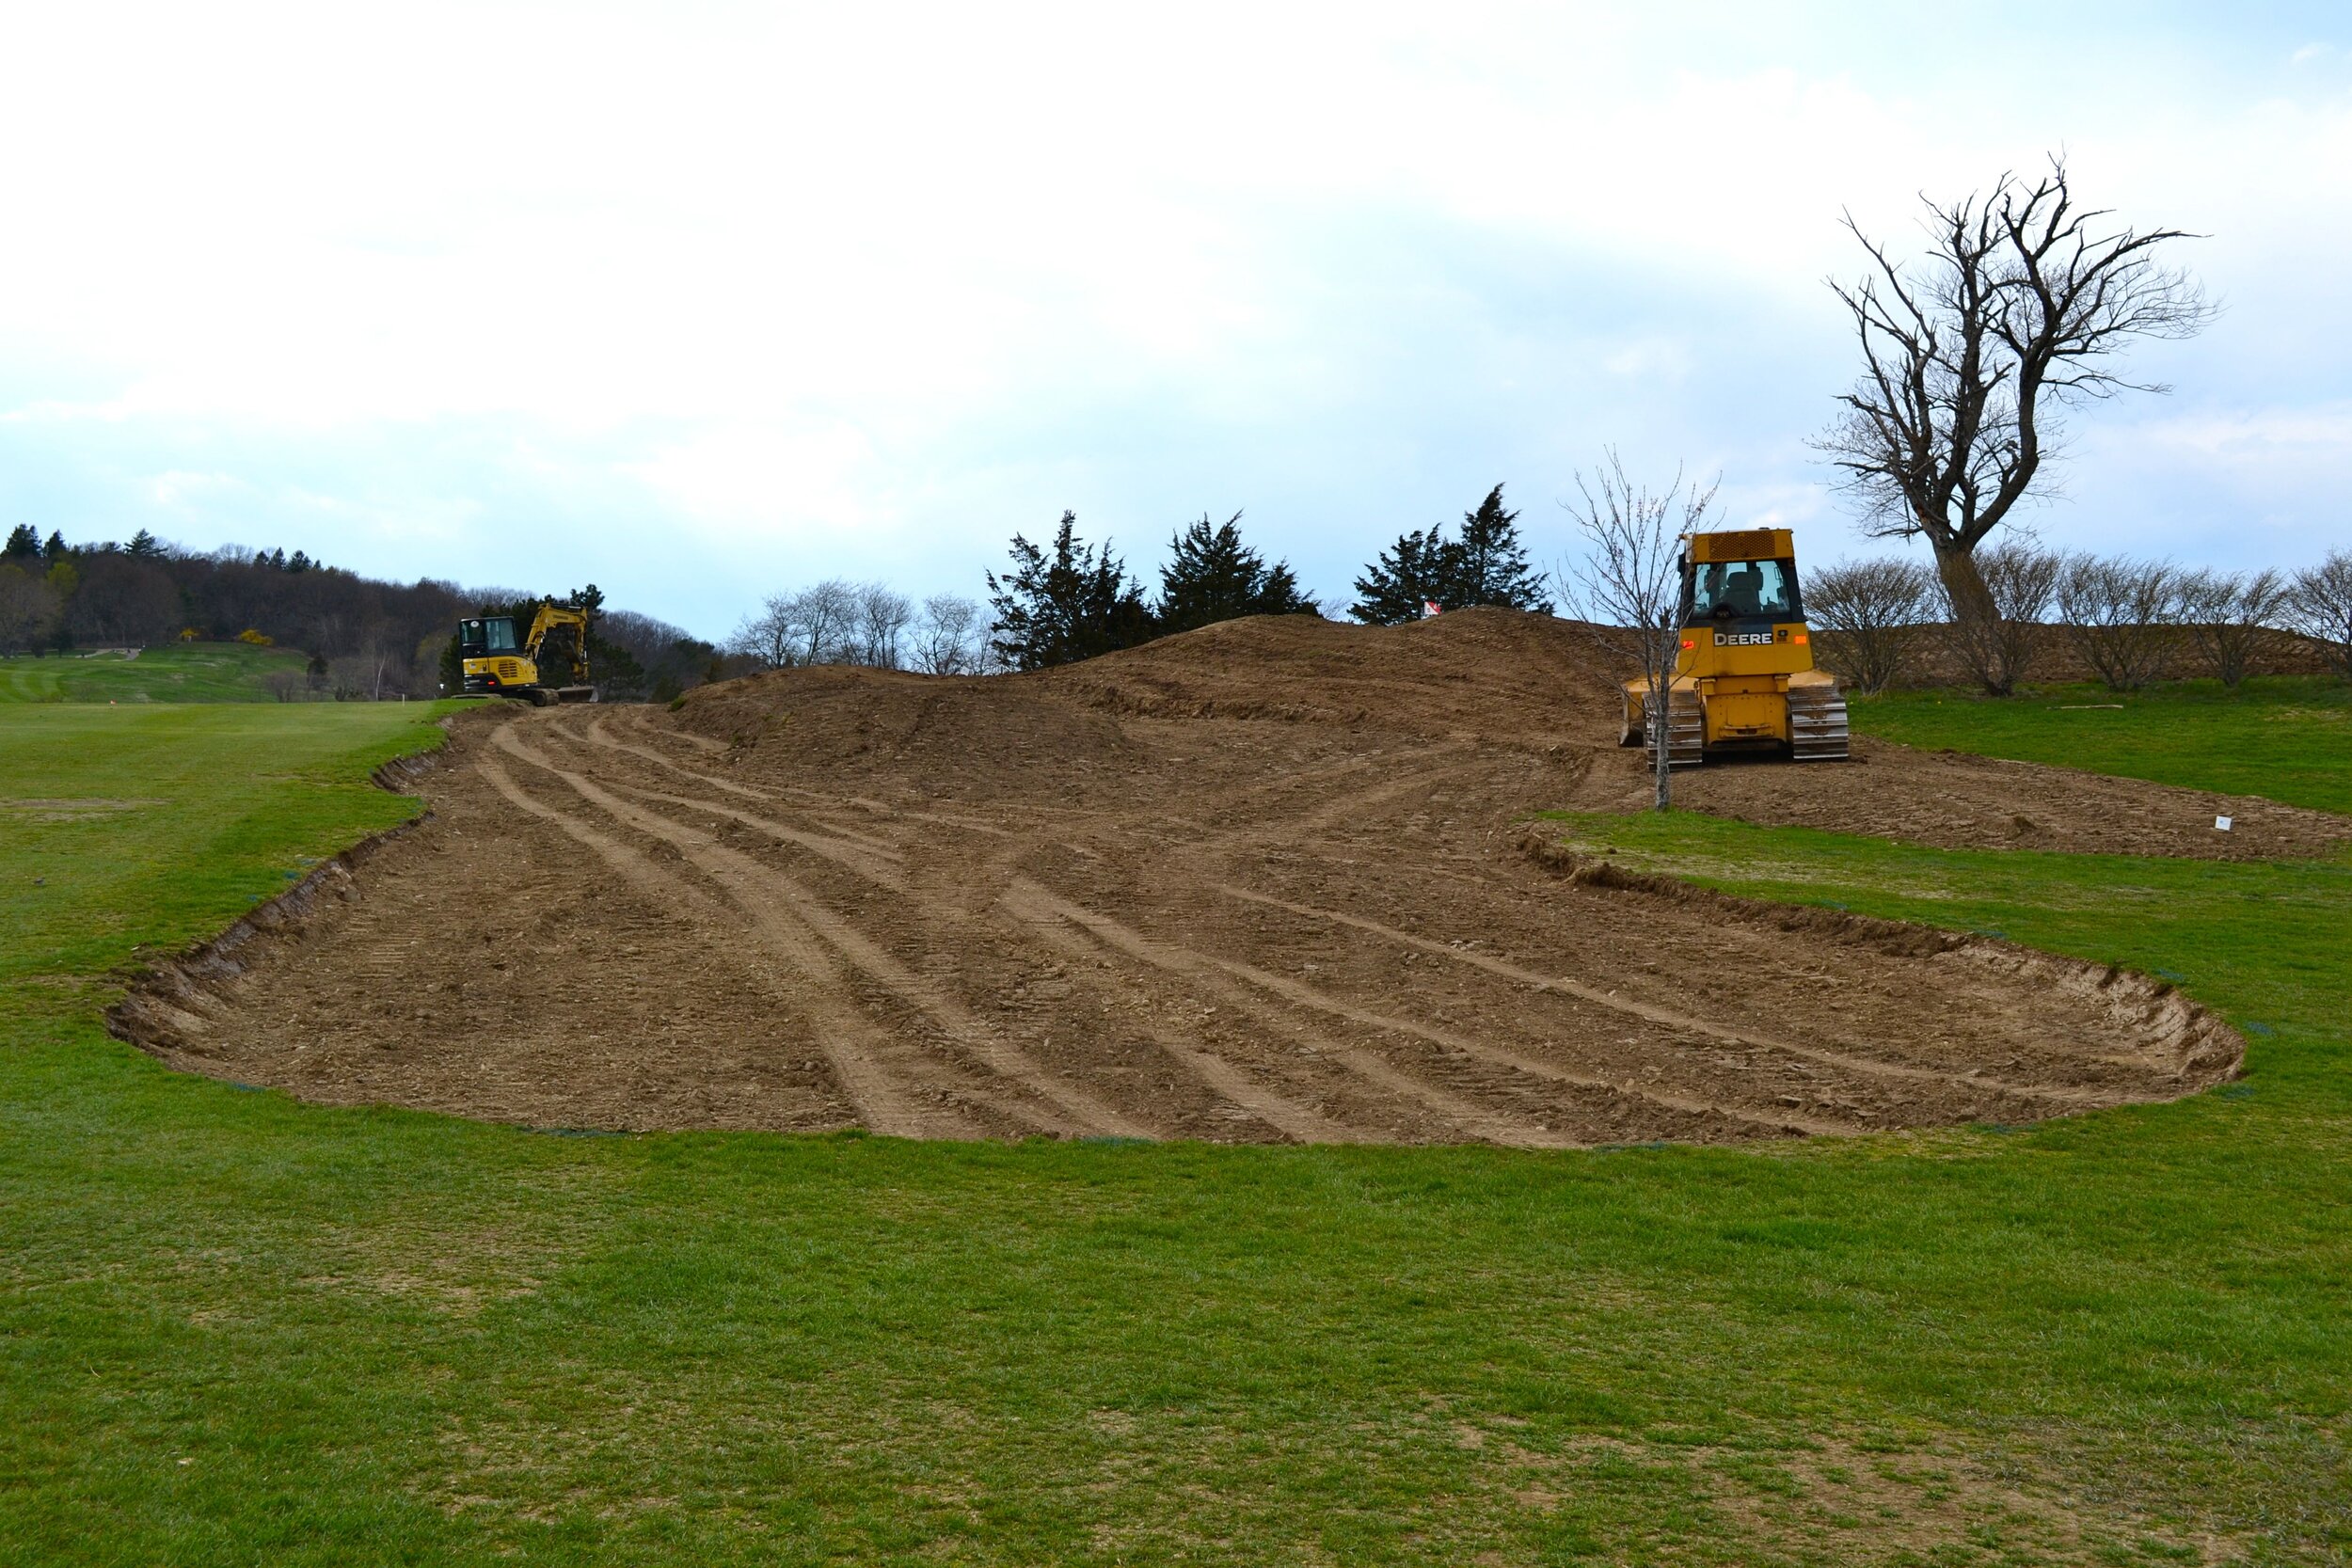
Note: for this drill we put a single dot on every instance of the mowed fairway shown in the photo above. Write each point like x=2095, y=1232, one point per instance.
x=235, y=1329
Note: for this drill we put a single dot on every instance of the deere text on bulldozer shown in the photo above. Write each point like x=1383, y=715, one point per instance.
x=1745, y=680
x=497, y=664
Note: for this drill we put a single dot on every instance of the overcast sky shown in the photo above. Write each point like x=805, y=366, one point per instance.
x=698, y=301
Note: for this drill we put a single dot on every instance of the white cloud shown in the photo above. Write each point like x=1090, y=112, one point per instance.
x=867, y=287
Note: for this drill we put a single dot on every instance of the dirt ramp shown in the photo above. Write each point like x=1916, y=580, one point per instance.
x=1260, y=928
x=1260, y=706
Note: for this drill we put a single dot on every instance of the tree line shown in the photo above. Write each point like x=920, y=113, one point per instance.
x=363, y=638
x=1069, y=599
x=2130, y=620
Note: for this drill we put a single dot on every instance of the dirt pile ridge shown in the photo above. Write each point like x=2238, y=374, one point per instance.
x=1265, y=882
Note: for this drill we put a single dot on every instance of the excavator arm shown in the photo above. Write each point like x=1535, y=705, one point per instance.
x=552, y=616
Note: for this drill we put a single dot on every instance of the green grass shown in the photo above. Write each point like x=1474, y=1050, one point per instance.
x=2288, y=737
x=237, y=1329
x=175, y=673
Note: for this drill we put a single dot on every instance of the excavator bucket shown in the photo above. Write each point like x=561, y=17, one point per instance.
x=575, y=693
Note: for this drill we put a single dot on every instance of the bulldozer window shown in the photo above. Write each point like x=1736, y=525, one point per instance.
x=1742, y=590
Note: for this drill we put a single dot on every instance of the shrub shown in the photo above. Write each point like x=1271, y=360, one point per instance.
x=2122, y=614
x=1876, y=609
x=2226, y=615
x=2320, y=606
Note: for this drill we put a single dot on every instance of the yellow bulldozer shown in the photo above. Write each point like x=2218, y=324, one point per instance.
x=1745, y=680
x=497, y=664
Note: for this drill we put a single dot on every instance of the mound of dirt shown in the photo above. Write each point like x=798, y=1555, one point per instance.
x=1267, y=881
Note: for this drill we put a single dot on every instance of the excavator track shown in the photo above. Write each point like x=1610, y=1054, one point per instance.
x=1817, y=723
x=1685, y=729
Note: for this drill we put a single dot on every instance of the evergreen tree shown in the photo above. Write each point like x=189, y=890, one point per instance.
x=145, y=545
x=298, y=563
x=1072, y=603
x=55, y=549
x=275, y=558
x=1489, y=565
x=24, y=543
x=1212, y=576
x=1420, y=568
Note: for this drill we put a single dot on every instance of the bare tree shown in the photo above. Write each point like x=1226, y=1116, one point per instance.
x=282, y=683
x=950, y=637
x=2229, y=614
x=1628, y=587
x=770, y=634
x=1969, y=359
x=2321, y=609
x=829, y=614
x=1877, y=609
x=2121, y=614
x=882, y=618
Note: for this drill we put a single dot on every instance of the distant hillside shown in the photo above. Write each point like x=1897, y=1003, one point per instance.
x=222, y=623
x=172, y=673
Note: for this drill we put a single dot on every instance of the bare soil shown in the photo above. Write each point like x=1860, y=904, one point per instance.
x=1274, y=880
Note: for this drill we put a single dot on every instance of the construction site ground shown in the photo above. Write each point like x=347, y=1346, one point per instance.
x=1275, y=881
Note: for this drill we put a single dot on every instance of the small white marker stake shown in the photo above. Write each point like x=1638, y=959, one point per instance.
x=2221, y=824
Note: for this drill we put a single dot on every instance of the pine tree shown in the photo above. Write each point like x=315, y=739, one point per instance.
x=298, y=563
x=1212, y=576
x=55, y=548
x=1072, y=605
x=144, y=546
x=24, y=543
x=1420, y=568
x=1489, y=565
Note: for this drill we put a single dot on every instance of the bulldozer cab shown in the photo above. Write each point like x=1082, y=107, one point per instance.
x=1722, y=591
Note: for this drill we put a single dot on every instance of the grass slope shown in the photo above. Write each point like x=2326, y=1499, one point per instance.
x=233, y=1328
x=2288, y=737
x=174, y=673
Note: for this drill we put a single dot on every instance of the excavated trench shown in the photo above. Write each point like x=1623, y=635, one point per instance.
x=1271, y=881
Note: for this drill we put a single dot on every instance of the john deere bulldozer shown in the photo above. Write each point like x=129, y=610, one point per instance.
x=497, y=664
x=1744, y=681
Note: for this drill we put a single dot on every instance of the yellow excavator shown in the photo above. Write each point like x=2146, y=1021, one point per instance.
x=496, y=665
x=1744, y=681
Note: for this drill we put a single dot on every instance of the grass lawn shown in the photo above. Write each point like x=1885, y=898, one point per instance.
x=173, y=672
x=2285, y=736
x=236, y=1329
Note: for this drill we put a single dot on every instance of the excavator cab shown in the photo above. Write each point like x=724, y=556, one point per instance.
x=1744, y=681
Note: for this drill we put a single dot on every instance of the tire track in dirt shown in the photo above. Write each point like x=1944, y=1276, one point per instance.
x=1317, y=1000
x=596, y=735
x=1171, y=958
x=1035, y=903
x=1277, y=1111
x=1080, y=1111
x=1669, y=1018
x=1220, y=1076
x=853, y=1048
